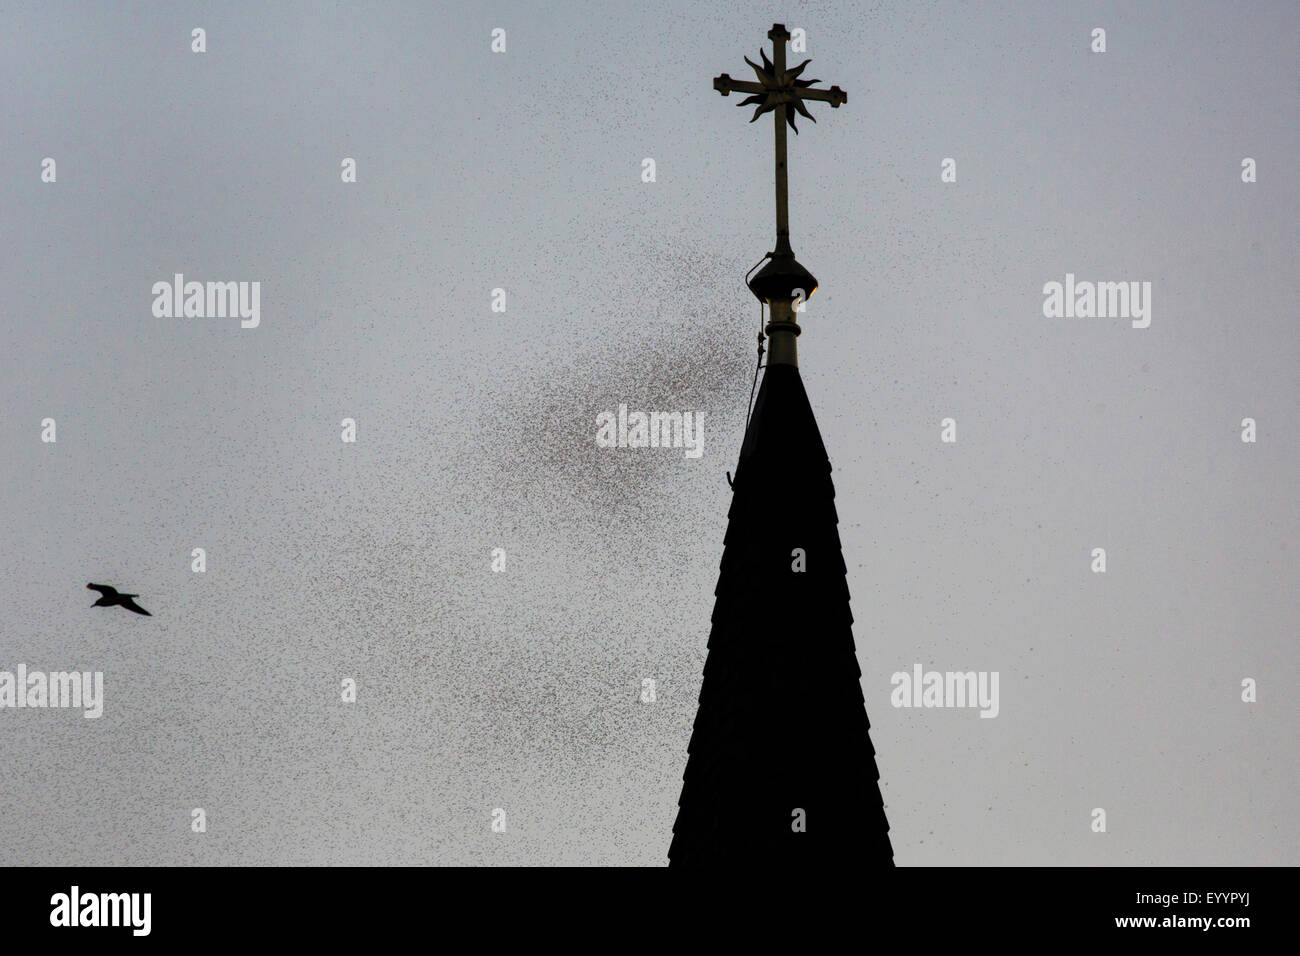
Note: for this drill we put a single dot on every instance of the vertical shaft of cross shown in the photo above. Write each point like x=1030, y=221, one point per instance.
x=779, y=37
x=783, y=328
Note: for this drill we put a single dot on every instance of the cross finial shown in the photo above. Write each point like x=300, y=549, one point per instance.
x=781, y=92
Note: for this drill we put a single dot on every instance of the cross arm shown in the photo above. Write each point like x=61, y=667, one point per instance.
x=834, y=96
x=725, y=85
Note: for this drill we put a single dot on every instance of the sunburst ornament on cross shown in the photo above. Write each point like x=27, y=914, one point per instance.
x=781, y=92
x=783, y=86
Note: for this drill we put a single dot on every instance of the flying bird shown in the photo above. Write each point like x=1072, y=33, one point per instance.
x=109, y=597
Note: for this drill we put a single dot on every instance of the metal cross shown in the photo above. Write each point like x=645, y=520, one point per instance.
x=779, y=91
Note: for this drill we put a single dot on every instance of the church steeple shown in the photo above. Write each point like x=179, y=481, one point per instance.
x=780, y=767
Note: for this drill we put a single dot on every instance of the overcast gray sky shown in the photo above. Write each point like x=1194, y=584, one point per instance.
x=522, y=170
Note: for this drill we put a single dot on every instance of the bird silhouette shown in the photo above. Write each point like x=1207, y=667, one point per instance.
x=109, y=597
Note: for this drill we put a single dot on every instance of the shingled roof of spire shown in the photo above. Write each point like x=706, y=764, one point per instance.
x=782, y=724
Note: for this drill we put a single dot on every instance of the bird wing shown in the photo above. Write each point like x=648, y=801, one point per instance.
x=130, y=605
x=103, y=589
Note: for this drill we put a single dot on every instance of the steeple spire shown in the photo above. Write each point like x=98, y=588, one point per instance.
x=783, y=282
x=781, y=771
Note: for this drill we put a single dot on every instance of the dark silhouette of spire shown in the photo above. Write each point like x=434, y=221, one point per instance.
x=782, y=726
x=109, y=597
x=781, y=770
